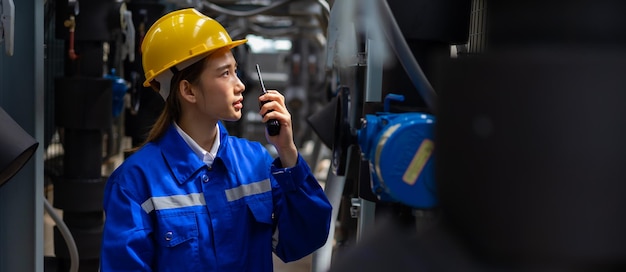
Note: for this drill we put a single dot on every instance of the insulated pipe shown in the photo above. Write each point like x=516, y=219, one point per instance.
x=405, y=56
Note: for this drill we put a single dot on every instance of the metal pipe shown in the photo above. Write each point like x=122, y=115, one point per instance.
x=237, y=13
x=273, y=31
x=325, y=6
x=325, y=14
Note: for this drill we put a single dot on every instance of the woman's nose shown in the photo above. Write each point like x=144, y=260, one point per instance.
x=239, y=84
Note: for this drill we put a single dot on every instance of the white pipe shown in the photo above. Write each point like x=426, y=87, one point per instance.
x=334, y=190
x=67, y=235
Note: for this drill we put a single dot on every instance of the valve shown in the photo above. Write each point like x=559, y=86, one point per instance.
x=71, y=24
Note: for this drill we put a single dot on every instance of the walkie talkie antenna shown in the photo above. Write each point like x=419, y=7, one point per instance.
x=273, y=127
x=258, y=72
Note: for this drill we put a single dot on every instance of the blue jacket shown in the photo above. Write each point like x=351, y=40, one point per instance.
x=167, y=211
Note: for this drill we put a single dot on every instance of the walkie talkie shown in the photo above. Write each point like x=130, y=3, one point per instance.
x=273, y=127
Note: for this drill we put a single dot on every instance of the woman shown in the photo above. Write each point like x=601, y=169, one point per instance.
x=194, y=198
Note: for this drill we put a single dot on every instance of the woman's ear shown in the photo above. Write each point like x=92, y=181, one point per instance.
x=186, y=92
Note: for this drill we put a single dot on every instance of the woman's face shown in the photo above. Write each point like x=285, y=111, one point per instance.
x=219, y=91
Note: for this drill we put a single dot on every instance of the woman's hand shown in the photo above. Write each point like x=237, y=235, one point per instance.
x=273, y=107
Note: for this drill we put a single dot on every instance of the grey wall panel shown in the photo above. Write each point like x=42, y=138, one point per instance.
x=21, y=95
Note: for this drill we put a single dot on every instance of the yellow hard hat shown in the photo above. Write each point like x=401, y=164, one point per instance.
x=180, y=36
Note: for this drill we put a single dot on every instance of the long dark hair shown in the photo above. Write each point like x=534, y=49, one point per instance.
x=172, y=110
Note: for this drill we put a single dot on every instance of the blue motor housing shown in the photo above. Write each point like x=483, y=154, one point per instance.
x=400, y=149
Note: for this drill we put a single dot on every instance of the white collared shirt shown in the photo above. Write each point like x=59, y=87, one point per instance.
x=206, y=156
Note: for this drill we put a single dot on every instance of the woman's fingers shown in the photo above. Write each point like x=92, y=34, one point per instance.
x=272, y=101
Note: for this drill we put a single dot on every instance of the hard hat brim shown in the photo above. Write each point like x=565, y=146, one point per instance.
x=230, y=45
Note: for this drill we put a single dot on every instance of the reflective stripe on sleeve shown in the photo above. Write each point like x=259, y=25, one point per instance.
x=254, y=188
x=172, y=202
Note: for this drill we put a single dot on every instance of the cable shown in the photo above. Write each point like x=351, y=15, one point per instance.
x=67, y=235
x=404, y=54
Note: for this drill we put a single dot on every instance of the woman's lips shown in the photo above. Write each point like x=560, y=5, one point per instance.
x=239, y=104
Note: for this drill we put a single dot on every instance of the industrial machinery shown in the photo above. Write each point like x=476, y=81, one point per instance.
x=339, y=64
x=511, y=174
x=400, y=152
x=93, y=76
x=88, y=99
x=508, y=146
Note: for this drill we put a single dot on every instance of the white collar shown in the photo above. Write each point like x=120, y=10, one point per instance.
x=206, y=156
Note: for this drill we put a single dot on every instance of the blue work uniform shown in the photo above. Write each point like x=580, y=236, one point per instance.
x=166, y=210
